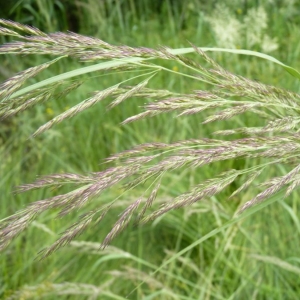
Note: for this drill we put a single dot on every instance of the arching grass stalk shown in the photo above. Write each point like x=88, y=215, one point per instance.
x=277, y=141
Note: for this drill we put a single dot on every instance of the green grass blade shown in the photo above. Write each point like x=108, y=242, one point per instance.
x=132, y=60
x=74, y=73
x=289, y=69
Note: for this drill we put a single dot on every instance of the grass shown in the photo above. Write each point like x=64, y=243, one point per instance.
x=197, y=252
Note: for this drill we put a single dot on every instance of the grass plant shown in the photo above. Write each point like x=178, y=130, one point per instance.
x=218, y=252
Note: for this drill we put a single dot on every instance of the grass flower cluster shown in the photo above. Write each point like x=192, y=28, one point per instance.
x=233, y=32
x=228, y=95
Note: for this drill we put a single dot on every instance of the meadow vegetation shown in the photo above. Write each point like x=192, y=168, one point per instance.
x=206, y=250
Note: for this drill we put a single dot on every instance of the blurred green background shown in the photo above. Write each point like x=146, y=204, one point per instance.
x=257, y=258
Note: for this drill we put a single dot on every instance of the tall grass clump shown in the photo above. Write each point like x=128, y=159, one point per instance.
x=226, y=97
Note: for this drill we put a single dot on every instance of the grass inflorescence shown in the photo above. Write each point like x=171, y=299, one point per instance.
x=227, y=96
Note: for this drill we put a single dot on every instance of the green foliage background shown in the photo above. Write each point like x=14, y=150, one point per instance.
x=256, y=258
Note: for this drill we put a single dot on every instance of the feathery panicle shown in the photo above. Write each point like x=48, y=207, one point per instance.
x=275, y=187
x=275, y=141
x=23, y=28
x=67, y=44
x=8, y=87
x=24, y=102
x=293, y=185
x=76, y=109
x=56, y=180
x=12, y=106
x=69, y=234
x=148, y=203
x=152, y=161
x=122, y=223
x=284, y=124
x=12, y=226
x=207, y=188
x=6, y=31
x=131, y=92
x=247, y=183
